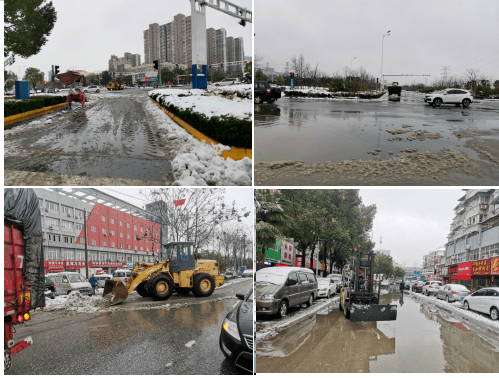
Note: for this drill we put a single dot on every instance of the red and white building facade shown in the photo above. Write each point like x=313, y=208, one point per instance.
x=119, y=234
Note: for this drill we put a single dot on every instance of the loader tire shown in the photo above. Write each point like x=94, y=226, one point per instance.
x=160, y=287
x=142, y=290
x=183, y=290
x=203, y=285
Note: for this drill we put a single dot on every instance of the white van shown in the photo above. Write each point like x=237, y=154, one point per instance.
x=122, y=275
x=66, y=282
x=101, y=279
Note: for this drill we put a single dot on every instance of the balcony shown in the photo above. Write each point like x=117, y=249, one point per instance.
x=495, y=197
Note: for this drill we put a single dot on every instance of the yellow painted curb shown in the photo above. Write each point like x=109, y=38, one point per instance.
x=32, y=114
x=9, y=98
x=235, y=153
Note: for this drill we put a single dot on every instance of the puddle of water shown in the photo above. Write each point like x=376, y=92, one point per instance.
x=315, y=131
x=418, y=341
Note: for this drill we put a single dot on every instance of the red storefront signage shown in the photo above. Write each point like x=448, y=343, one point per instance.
x=464, y=271
x=298, y=261
x=54, y=265
x=60, y=265
x=494, y=266
x=321, y=265
x=480, y=267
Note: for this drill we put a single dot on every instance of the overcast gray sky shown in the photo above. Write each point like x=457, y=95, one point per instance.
x=425, y=35
x=412, y=222
x=88, y=32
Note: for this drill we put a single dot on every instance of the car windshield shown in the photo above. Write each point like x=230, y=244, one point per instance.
x=76, y=278
x=249, y=298
x=271, y=277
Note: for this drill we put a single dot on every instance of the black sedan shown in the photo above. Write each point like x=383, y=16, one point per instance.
x=236, y=336
x=265, y=91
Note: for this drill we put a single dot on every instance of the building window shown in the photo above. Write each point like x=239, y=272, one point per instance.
x=128, y=236
x=92, y=228
x=111, y=232
x=54, y=237
x=68, y=239
x=128, y=258
x=66, y=224
x=121, y=245
x=112, y=221
x=135, y=247
x=82, y=240
x=104, y=243
x=112, y=257
x=93, y=256
x=67, y=210
x=79, y=213
x=94, y=242
x=147, y=249
x=67, y=255
x=80, y=256
x=121, y=223
x=104, y=231
x=128, y=246
x=135, y=227
x=142, y=248
x=52, y=222
x=121, y=234
x=103, y=218
x=112, y=244
x=40, y=201
x=78, y=226
x=51, y=206
x=128, y=225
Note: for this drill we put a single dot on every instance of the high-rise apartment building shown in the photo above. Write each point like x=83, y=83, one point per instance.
x=152, y=45
x=231, y=51
x=238, y=49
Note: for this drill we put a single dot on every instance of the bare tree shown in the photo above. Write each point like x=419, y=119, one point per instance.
x=300, y=67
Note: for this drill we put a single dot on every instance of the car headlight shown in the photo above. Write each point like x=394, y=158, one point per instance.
x=231, y=328
x=268, y=296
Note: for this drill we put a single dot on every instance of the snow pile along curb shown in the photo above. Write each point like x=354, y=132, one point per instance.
x=72, y=302
x=271, y=330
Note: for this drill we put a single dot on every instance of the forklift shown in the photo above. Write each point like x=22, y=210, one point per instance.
x=358, y=301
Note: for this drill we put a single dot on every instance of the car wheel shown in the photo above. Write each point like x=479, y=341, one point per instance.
x=466, y=305
x=258, y=99
x=85, y=91
x=494, y=313
x=310, y=301
x=69, y=291
x=447, y=298
x=466, y=102
x=283, y=309
x=437, y=102
x=97, y=91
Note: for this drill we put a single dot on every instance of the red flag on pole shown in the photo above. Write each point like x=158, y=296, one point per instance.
x=179, y=202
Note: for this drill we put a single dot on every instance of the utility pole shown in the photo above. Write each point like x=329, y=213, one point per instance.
x=86, y=242
x=444, y=72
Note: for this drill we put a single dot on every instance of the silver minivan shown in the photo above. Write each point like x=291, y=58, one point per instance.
x=278, y=288
x=66, y=282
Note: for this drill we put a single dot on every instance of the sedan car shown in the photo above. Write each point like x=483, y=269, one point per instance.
x=484, y=300
x=228, y=81
x=91, y=88
x=263, y=91
x=327, y=288
x=418, y=286
x=431, y=287
x=247, y=273
x=450, y=96
x=452, y=292
x=236, y=335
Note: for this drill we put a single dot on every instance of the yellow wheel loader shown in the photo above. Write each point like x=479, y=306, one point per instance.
x=114, y=86
x=181, y=271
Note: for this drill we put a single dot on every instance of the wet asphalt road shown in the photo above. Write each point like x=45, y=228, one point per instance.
x=316, y=131
x=145, y=342
x=423, y=339
x=112, y=137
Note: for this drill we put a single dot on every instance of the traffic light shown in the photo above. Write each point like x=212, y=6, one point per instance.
x=292, y=75
x=377, y=80
x=242, y=23
x=45, y=83
x=56, y=70
x=222, y=64
x=156, y=64
x=238, y=74
x=209, y=65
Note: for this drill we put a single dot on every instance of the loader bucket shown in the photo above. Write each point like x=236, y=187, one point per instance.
x=118, y=291
x=372, y=312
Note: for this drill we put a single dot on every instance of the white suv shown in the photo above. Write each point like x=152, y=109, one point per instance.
x=450, y=96
x=91, y=88
x=431, y=287
x=228, y=81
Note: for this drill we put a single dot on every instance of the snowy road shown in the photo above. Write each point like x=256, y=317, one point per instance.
x=116, y=139
x=157, y=340
x=427, y=337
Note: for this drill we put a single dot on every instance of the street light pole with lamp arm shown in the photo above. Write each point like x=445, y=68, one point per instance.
x=351, y=68
x=382, y=86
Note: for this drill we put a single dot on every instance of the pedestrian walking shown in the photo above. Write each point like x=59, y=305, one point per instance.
x=402, y=284
x=93, y=282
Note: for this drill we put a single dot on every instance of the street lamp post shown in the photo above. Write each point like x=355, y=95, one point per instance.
x=382, y=86
x=351, y=68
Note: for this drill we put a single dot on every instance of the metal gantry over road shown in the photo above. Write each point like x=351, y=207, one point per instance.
x=198, y=33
